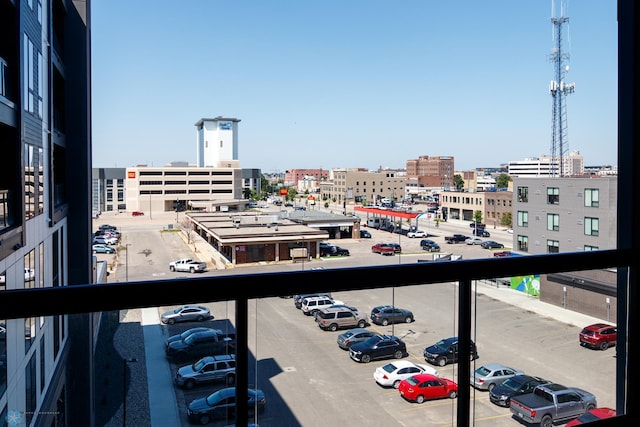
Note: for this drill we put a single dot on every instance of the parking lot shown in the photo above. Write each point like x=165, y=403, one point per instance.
x=309, y=380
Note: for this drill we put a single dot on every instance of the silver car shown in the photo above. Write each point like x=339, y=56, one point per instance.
x=487, y=376
x=186, y=313
x=208, y=369
x=348, y=338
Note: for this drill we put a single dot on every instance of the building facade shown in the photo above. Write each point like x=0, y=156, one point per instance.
x=293, y=176
x=462, y=205
x=163, y=189
x=44, y=198
x=360, y=186
x=432, y=171
x=564, y=214
x=216, y=140
x=107, y=190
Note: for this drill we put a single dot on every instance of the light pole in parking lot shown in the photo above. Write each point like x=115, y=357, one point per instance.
x=126, y=262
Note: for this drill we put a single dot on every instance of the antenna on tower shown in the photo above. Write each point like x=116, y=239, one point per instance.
x=559, y=90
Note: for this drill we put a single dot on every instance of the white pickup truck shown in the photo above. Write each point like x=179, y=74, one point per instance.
x=187, y=264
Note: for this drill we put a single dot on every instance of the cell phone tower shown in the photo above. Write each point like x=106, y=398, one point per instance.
x=559, y=90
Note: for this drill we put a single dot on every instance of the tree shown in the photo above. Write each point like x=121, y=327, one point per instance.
x=503, y=180
x=246, y=193
x=291, y=194
x=458, y=182
x=506, y=219
x=477, y=216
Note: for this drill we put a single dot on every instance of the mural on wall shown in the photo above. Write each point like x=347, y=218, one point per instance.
x=530, y=284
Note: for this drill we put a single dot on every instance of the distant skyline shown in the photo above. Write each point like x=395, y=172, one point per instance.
x=348, y=84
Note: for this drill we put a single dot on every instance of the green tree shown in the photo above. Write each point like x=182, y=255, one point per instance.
x=477, y=216
x=246, y=193
x=506, y=219
x=503, y=180
x=291, y=195
x=458, y=182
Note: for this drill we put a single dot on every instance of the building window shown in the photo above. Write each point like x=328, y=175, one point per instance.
x=523, y=243
x=553, y=222
x=588, y=248
x=553, y=246
x=591, y=197
x=591, y=226
x=523, y=219
x=553, y=195
x=523, y=194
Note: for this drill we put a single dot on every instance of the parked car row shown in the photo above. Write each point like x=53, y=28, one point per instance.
x=213, y=358
x=105, y=238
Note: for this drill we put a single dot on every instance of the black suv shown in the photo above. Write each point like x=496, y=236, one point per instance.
x=446, y=351
x=429, y=245
x=378, y=347
x=386, y=314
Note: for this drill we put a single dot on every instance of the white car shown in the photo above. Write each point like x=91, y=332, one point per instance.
x=416, y=233
x=392, y=373
x=473, y=241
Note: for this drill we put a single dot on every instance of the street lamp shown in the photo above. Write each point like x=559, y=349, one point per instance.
x=150, y=205
x=124, y=388
x=126, y=261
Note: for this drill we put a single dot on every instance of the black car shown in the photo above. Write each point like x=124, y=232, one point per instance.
x=515, y=386
x=338, y=251
x=221, y=404
x=429, y=245
x=490, y=244
x=446, y=351
x=378, y=347
x=477, y=225
x=386, y=314
x=364, y=234
x=481, y=232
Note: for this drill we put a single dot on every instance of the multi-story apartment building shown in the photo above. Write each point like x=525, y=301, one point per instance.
x=293, y=176
x=564, y=214
x=45, y=222
x=432, y=171
x=358, y=186
x=107, y=190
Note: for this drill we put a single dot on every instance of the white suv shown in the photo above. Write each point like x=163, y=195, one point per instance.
x=311, y=305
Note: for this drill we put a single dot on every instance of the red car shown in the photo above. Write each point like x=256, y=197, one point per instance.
x=592, y=415
x=137, y=213
x=599, y=335
x=383, y=249
x=421, y=387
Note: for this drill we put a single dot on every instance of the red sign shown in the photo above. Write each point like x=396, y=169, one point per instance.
x=284, y=191
x=131, y=174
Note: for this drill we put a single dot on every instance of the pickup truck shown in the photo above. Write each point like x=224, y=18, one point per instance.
x=551, y=403
x=187, y=264
x=211, y=342
x=456, y=238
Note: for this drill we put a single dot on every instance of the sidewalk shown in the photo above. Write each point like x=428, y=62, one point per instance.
x=533, y=304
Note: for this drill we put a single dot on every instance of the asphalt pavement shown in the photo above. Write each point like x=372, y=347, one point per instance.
x=155, y=392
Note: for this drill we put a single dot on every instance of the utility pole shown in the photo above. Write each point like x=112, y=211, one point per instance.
x=559, y=90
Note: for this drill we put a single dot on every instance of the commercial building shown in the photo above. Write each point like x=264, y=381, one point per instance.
x=182, y=187
x=107, y=190
x=360, y=186
x=462, y=205
x=432, y=171
x=292, y=177
x=216, y=140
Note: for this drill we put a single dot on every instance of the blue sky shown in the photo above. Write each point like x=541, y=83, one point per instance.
x=362, y=83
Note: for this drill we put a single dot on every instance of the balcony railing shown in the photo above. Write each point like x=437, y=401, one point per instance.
x=242, y=288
